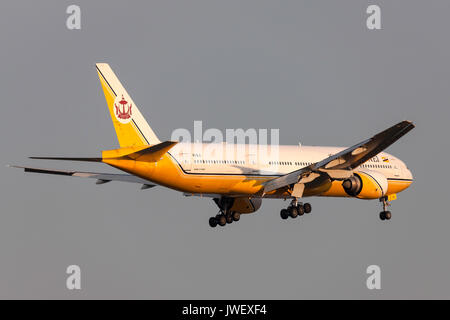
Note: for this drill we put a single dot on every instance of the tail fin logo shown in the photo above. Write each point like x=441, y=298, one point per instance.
x=122, y=110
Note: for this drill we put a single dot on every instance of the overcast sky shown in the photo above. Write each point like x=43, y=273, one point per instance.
x=310, y=68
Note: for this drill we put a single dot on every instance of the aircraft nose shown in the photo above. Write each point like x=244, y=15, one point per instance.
x=409, y=174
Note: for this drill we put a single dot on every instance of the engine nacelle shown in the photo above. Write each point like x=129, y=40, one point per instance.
x=366, y=184
x=246, y=205
x=241, y=205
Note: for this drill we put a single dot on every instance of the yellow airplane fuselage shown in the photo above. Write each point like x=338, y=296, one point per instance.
x=169, y=173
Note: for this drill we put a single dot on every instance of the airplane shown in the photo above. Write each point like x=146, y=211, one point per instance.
x=239, y=182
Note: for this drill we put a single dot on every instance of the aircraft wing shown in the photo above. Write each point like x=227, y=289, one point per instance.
x=341, y=164
x=101, y=177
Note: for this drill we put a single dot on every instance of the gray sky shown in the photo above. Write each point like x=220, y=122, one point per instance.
x=310, y=68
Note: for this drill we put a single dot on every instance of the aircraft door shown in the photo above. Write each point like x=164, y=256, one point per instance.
x=252, y=163
x=396, y=170
x=186, y=160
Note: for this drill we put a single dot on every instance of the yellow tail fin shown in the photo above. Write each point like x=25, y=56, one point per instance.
x=131, y=127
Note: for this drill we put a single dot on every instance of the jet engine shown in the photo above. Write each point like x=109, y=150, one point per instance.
x=366, y=185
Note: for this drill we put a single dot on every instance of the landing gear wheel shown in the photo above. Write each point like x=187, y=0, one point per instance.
x=284, y=214
x=236, y=216
x=222, y=220
x=385, y=215
x=307, y=207
x=229, y=218
x=300, y=209
x=293, y=213
x=212, y=222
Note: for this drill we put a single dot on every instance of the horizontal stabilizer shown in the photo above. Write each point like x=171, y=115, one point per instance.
x=69, y=159
x=146, y=154
x=101, y=177
x=153, y=153
x=139, y=153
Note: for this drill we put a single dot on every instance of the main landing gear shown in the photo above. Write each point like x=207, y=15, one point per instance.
x=295, y=209
x=385, y=215
x=222, y=218
x=225, y=215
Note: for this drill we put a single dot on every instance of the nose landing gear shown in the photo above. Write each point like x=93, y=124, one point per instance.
x=385, y=215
